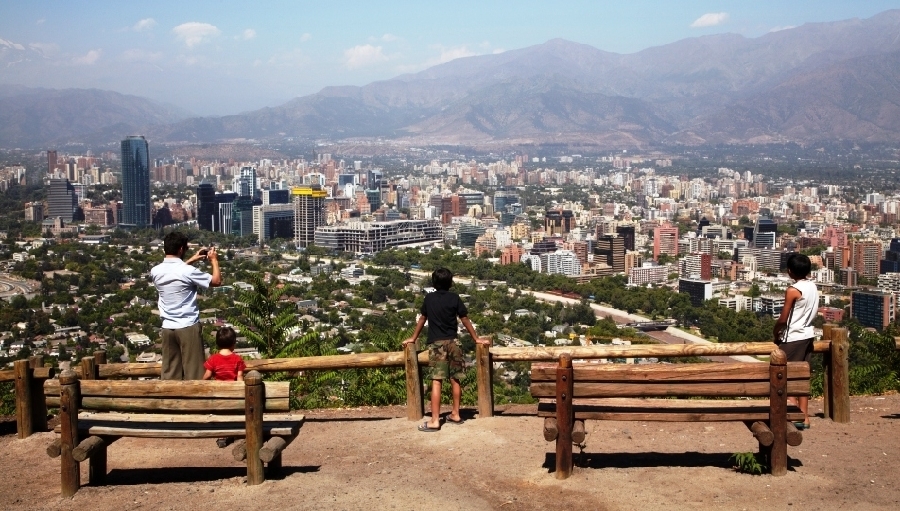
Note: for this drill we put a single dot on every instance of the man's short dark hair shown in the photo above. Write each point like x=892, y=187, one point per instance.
x=442, y=279
x=226, y=338
x=799, y=265
x=173, y=242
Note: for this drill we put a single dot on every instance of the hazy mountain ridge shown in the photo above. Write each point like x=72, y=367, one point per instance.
x=820, y=81
x=35, y=117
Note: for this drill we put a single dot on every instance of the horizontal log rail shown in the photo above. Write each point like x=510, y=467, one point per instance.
x=834, y=348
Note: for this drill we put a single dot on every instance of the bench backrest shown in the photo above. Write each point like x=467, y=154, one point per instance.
x=157, y=396
x=669, y=380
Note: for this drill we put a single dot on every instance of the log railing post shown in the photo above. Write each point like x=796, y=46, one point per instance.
x=38, y=403
x=564, y=416
x=99, y=359
x=24, y=398
x=840, y=376
x=828, y=372
x=415, y=403
x=255, y=399
x=68, y=432
x=484, y=370
x=778, y=412
x=88, y=369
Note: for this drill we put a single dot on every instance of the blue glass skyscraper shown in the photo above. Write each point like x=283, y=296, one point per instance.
x=135, y=182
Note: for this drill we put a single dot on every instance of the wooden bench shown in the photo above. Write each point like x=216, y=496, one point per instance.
x=95, y=413
x=571, y=393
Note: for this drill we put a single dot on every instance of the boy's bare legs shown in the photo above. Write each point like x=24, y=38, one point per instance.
x=435, y=421
x=456, y=391
x=803, y=403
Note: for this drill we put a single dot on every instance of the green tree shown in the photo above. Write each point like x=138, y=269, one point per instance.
x=263, y=320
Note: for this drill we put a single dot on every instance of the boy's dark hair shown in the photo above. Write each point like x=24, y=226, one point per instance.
x=442, y=279
x=173, y=242
x=799, y=265
x=226, y=338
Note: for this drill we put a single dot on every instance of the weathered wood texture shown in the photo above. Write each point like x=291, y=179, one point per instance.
x=484, y=378
x=415, y=400
x=695, y=380
x=100, y=428
x=564, y=417
x=840, y=377
x=766, y=418
x=778, y=414
x=669, y=410
x=70, y=474
x=24, y=398
x=255, y=399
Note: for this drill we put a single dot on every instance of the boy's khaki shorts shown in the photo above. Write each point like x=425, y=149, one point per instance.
x=445, y=358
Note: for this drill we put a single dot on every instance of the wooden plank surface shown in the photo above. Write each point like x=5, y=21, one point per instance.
x=679, y=389
x=182, y=426
x=169, y=388
x=183, y=418
x=134, y=404
x=669, y=410
x=667, y=372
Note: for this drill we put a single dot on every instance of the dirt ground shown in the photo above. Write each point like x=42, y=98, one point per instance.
x=374, y=459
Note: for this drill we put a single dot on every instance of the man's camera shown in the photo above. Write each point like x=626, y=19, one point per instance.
x=203, y=252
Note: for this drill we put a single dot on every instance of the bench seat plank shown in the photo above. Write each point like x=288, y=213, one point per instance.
x=169, y=388
x=711, y=372
x=669, y=410
x=671, y=389
x=181, y=426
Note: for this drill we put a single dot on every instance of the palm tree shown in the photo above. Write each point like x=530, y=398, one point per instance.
x=267, y=324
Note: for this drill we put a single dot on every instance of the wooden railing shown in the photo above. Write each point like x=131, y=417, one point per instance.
x=31, y=408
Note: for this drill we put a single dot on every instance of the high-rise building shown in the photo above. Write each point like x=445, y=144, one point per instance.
x=891, y=261
x=874, y=309
x=61, y=200
x=207, y=207
x=698, y=290
x=865, y=256
x=309, y=213
x=558, y=221
x=273, y=221
x=611, y=250
x=626, y=232
x=665, y=241
x=135, y=182
x=52, y=160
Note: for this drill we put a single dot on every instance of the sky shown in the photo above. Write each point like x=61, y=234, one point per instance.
x=226, y=57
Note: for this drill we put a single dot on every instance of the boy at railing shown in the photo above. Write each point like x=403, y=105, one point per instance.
x=794, y=331
x=440, y=310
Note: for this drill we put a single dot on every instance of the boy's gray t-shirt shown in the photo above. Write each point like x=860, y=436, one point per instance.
x=441, y=308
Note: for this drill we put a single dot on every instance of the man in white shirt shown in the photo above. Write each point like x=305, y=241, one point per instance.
x=177, y=282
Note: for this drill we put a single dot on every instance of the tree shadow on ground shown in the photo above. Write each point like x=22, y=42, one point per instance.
x=652, y=459
x=138, y=476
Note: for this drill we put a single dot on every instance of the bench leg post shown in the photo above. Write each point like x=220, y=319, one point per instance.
x=255, y=399
x=274, y=466
x=70, y=475
x=97, y=466
x=564, y=417
x=778, y=412
x=38, y=402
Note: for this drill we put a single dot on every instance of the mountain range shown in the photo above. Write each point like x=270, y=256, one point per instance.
x=815, y=83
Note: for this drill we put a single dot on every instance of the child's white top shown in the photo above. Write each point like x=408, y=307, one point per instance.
x=804, y=311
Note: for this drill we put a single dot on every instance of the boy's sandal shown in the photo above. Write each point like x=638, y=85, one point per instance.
x=425, y=428
x=802, y=425
x=448, y=420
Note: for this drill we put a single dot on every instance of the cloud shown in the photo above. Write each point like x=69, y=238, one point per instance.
x=194, y=33
x=89, y=58
x=448, y=54
x=45, y=49
x=710, y=19
x=144, y=24
x=498, y=51
x=246, y=35
x=363, y=55
x=40, y=21
x=305, y=37
x=389, y=38
x=779, y=29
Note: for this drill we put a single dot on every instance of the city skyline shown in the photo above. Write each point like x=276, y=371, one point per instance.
x=210, y=60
